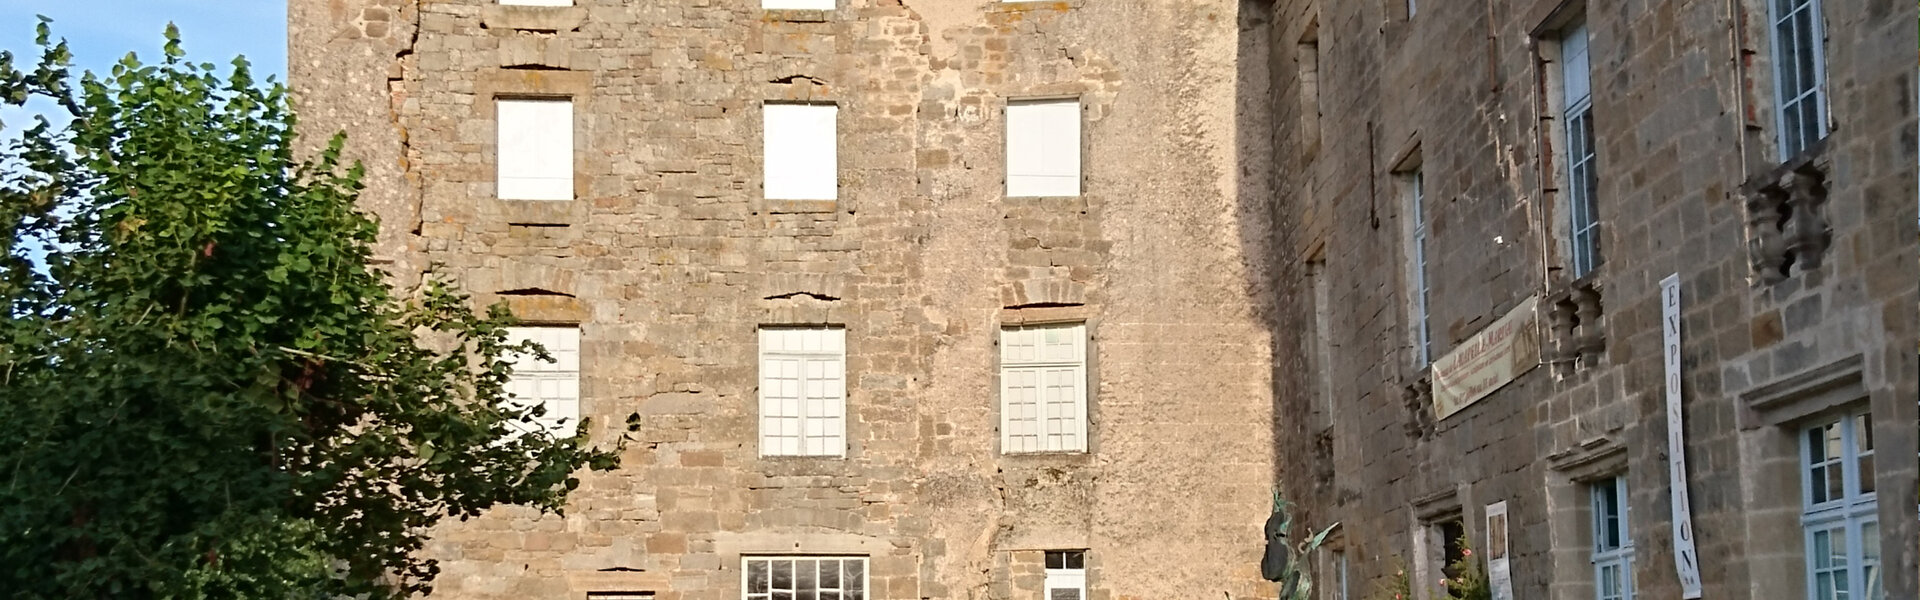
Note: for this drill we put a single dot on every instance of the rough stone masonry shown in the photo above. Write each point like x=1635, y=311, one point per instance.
x=668, y=258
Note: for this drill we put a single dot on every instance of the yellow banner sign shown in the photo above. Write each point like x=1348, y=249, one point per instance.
x=1489, y=360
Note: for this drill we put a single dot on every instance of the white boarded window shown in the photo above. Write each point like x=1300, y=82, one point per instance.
x=536, y=2
x=1043, y=148
x=1043, y=388
x=535, y=149
x=1066, y=574
x=554, y=384
x=803, y=394
x=800, y=151
x=799, y=577
x=797, y=4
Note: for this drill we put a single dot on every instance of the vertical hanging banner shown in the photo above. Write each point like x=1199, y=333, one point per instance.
x=1686, y=559
x=1499, y=573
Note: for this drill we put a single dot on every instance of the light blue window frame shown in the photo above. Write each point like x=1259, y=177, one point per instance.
x=1583, y=182
x=1841, y=512
x=1612, y=542
x=1799, y=73
x=1422, y=290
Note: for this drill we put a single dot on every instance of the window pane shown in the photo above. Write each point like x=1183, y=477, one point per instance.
x=830, y=574
x=782, y=575
x=756, y=576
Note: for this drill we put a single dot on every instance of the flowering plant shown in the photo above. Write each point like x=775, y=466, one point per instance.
x=1398, y=587
x=1470, y=581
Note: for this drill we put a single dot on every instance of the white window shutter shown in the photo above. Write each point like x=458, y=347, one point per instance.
x=797, y=4
x=534, y=154
x=1043, y=148
x=803, y=391
x=800, y=152
x=553, y=384
x=1066, y=584
x=1043, y=396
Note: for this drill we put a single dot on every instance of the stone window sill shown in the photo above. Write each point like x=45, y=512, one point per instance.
x=533, y=18
x=1018, y=6
x=797, y=15
x=801, y=206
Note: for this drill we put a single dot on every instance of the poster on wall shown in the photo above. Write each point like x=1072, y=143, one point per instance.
x=1686, y=558
x=1499, y=574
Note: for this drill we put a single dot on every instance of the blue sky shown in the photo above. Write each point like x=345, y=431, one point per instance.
x=101, y=31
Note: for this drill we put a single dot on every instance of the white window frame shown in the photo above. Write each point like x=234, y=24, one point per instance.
x=1027, y=429
x=797, y=4
x=1065, y=577
x=523, y=166
x=1853, y=514
x=800, y=150
x=803, y=392
x=555, y=385
x=1043, y=146
x=794, y=563
x=1422, y=287
x=1583, y=182
x=1801, y=45
x=1612, y=539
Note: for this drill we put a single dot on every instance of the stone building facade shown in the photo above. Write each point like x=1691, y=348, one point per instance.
x=1763, y=157
x=667, y=260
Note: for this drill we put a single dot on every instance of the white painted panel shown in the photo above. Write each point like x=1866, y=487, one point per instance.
x=1043, y=148
x=802, y=391
x=797, y=4
x=535, y=151
x=800, y=151
x=536, y=2
x=1577, y=73
x=555, y=385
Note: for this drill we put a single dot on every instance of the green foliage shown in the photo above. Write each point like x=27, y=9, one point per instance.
x=1397, y=587
x=1470, y=583
x=1296, y=582
x=207, y=392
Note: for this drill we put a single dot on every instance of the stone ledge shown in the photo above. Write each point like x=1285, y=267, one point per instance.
x=779, y=207
x=797, y=15
x=1804, y=394
x=533, y=18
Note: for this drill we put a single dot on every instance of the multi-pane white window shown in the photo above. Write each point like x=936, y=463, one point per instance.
x=1842, y=529
x=797, y=4
x=1043, y=148
x=804, y=578
x=803, y=392
x=1423, y=338
x=1612, y=544
x=534, y=152
x=1043, y=388
x=800, y=151
x=1799, y=73
x=1576, y=77
x=1066, y=574
x=555, y=384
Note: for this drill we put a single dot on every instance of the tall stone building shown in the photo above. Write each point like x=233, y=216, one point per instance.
x=1483, y=205
x=916, y=299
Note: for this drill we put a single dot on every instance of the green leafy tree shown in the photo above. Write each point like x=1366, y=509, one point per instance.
x=206, y=391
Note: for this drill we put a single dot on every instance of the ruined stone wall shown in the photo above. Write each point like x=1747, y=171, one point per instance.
x=1682, y=110
x=669, y=258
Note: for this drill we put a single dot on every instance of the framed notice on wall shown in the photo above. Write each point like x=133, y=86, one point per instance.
x=1499, y=573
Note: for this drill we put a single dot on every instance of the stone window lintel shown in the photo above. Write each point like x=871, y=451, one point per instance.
x=1812, y=392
